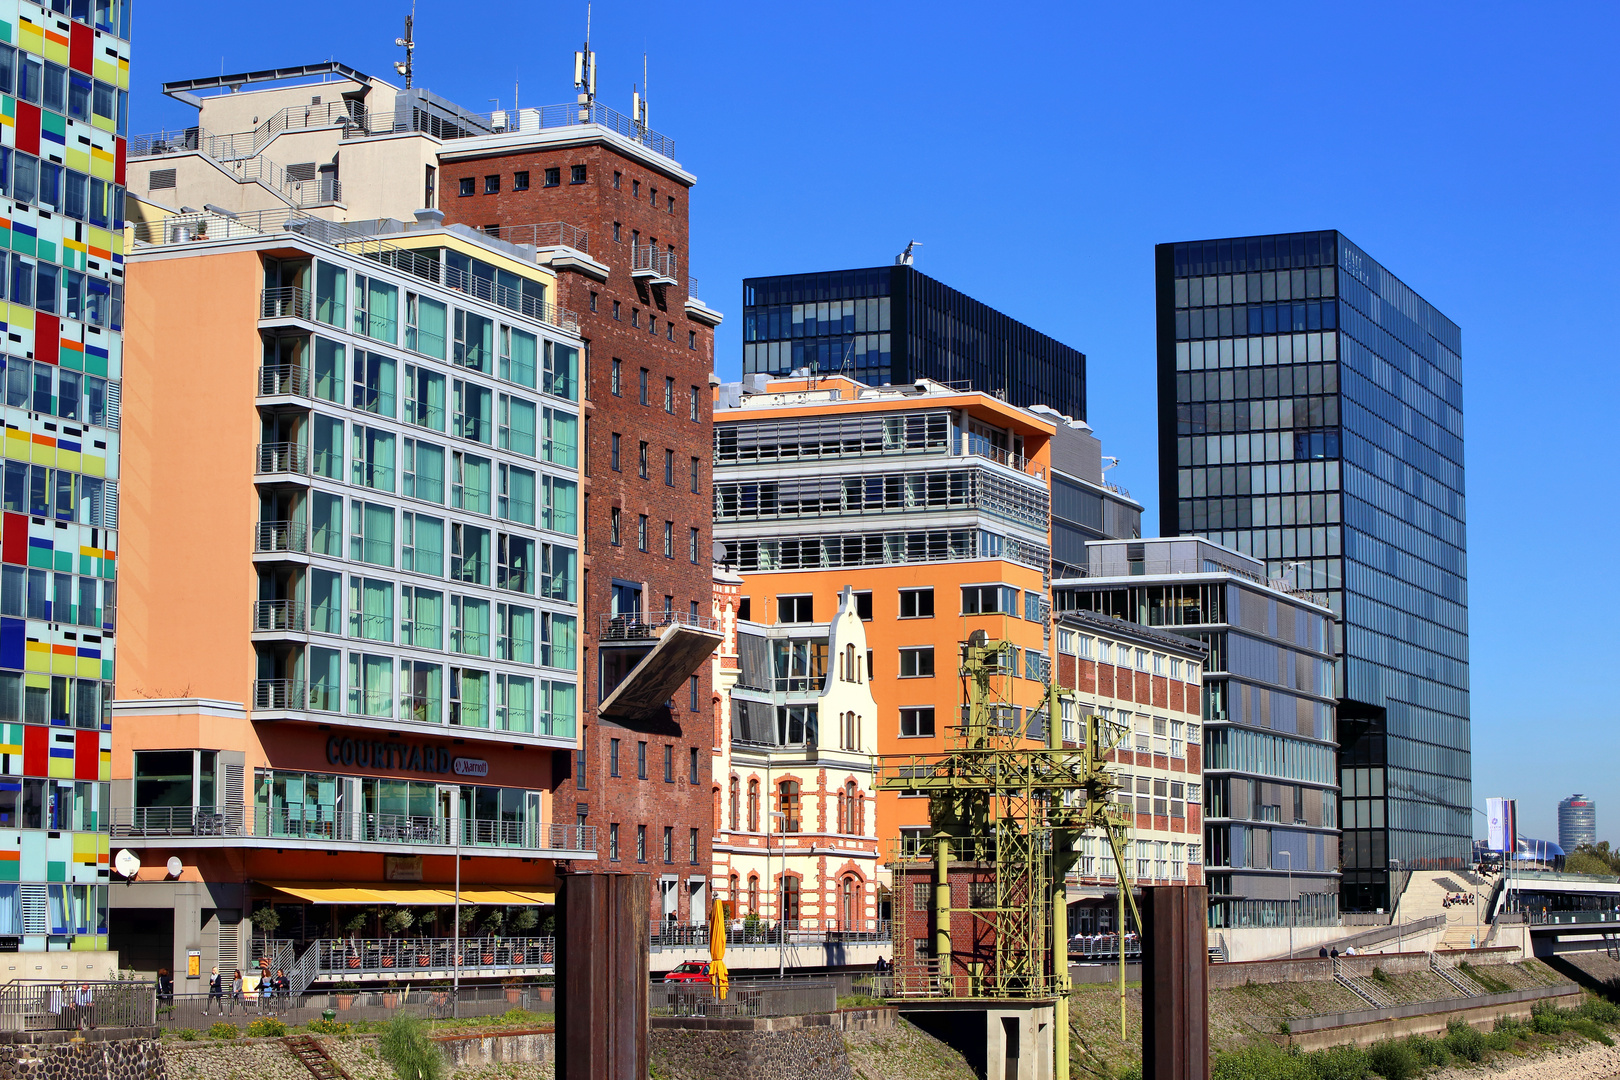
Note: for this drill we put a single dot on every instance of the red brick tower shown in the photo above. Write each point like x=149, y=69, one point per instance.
x=642, y=773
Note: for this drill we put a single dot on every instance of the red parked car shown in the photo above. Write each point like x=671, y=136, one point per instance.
x=693, y=971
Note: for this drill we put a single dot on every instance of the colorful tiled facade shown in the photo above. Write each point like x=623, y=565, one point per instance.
x=64, y=79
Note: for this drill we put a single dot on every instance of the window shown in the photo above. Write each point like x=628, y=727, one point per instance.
x=849, y=730
x=468, y=186
x=652, y=197
x=613, y=757
x=615, y=311
x=917, y=663
x=593, y=300
x=669, y=764
x=616, y=372
x=917, y=722
x=635, y=189
x=691, y=339
x=753, y=894
x=753, y=806
x=1033, y=606
x=553, y=177
x=693, y=414
x=989, y=600
x=618, y=178
x=641, y=830
x=615, y=538
x=693, y=543
x=644, y=374
x=669, y=843
x=696, y=475
x=641, y=760
x=641, y=467
x=1175, y=668
x=613, y=452
x=790, y=901
x=617, y=238
x=692, y=846
x=613, y=841
x=520, y=180
x=787, y=801
x=692, y=752
x=670, y=205
x=576, y=174
x=669, y=468
x=795, y=609
x=641, y=532
x=635, y=320
x=863, y=606
x=492, y=185
x=669, y=539
x=669, y=395
x=916, y=603
x=736, y=803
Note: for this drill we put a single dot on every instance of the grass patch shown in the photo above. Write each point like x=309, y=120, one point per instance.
x=406, y=1047
x=1489, y=982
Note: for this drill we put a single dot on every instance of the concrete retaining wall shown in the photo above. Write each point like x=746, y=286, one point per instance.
x=472, y=1051
x=1424, y=1018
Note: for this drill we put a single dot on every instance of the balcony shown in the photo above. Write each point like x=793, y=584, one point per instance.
x=279, y=617
x=346, y=830
x=650, y=263
x=284, y=303
x=281, y=538
x=282, y=461
x=283, y=381
x=353, y=959
x=280, y=695
x=656, y=654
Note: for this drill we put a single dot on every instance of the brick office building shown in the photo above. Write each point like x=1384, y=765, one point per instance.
x=641, y=773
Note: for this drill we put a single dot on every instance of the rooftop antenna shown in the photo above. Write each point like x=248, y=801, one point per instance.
x=638, y=101
x=905, y=257
x=585, y=72
x=408, y=43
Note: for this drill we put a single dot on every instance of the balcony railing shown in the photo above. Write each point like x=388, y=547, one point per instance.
x=692, y=288
x=791, y=932
x=1016, y=462
x=649, y=260
x=645, y=626
x=283, y=380
x=287, y=302
x=285, y=615
x=282, y=458
x=349, y=957
x=327, y=824
x=279, y=694
x=281, y=536
x=543, y=234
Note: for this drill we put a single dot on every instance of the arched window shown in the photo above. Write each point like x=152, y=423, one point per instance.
x=753, y=806
x=850, y=797
x=736, y=897
x=852, y=671
x=843, y=813
x=736, y=800
x=850, y=902
x=753, y=894
x=787, y=801
x=790, y=901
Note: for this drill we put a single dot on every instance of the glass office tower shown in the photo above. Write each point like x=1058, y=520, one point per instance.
x=1310, y=414
x=892, y=325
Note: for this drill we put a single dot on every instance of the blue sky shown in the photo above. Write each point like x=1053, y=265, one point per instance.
x=1039, y=151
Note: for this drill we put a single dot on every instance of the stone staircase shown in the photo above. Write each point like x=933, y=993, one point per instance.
x=1425, y=896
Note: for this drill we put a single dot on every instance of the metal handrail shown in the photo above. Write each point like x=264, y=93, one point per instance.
x=228, y=820
x=638, y=625
x=739, y=932
x=287, y=302
x=371, y=956
x=77, y=1004
x=692, y=288
x=1157, y=568
x=282, y=457
x=273, y=536
x=283, y=380
x=651, y=259
x=278, y=615
x=279, y=694
x=544, y=234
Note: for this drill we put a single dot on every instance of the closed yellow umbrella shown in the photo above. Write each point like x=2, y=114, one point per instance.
x=717, y=947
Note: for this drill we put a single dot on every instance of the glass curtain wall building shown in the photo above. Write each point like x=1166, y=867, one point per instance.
x=891, y=325
x=1310, y=414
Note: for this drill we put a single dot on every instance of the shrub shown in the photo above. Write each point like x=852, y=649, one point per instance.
x=1381, y=977
x=405, y=1045
x=1261, y=1061
x=186, y=1034
x=1464, y=1041
x=1393, y=1059
x=1511, y=1026
x=1589, y=1028
x=1545, y=1019
x=1602, y=1010
x=324, y=1026
x=222, y=1030
x=266, y=1027
x=1339, y=1063
x=1432, y=1053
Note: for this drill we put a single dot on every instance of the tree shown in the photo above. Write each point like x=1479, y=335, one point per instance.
x=1593, y=859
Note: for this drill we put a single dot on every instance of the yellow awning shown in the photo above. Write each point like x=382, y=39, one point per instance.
x=378, y=893
x=504, y=896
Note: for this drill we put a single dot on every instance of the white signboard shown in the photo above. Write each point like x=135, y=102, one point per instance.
x=470, y=766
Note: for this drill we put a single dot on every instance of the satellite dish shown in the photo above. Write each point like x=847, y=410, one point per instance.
x=718, y=552
x=173, y=866
x=126, y=863
x=978, y=639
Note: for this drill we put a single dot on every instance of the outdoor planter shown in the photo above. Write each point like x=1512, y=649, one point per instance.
x=344, y=1001
x=512, y=995
x=390, y=1000
x=388, y=961
x=423, y=961
x=354, y=961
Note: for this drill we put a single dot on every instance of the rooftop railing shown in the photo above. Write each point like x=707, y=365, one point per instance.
x=543, y=234
x=1146, y=568
x=328, y=824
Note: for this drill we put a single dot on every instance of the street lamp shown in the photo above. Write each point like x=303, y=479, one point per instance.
x=1293, y=902
x=781, y=889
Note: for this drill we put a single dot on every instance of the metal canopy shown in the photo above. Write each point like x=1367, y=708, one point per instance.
x=186, y=89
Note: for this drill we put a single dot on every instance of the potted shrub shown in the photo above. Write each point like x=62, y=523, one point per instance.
x=266, y=920
x=514, y=990
x=345, y=994
x=390, y=994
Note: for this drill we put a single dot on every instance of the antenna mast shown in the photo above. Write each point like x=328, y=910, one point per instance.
x=638, y=101
x=585, y=73
x=408, y=43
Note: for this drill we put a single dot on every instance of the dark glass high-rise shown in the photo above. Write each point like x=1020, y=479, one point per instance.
x=894, y=325
x=1310, y=414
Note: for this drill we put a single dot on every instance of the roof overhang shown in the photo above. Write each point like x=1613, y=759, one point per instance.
x=186, y=90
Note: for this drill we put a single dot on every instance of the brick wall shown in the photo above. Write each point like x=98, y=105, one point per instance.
x=652, y=332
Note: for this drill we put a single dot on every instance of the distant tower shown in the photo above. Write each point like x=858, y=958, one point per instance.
x=1577, y=823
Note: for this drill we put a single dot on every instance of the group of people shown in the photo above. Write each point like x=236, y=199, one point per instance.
x=1334, y=952
x=228, y=990
x=1459, y=898
x=70, y=1005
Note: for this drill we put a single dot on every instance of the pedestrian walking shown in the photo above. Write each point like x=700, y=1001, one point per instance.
x=216, y=992
x=236, y=992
